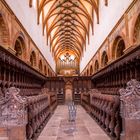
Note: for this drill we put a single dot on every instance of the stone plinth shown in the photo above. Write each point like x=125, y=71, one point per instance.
x=131, y=130
x=17, y=133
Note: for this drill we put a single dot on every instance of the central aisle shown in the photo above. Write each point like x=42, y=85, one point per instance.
x=59, y=128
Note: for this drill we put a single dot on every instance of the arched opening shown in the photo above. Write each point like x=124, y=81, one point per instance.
x=33, y=59
x=20, y=47
x=68, y=91
x=45, y=70
x=118, y=47
x=137, y=31
x=87, y=72
x=96, y=65
x=4, y=33
x=104, y=59
x=48, y=72
x=40, y=65
x=91, y=70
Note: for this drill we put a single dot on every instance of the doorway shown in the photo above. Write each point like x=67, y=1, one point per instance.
x=68, y=92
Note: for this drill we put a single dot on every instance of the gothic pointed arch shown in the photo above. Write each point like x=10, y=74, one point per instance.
x=87, y=72
x=45, y=70
x=20, y=47
x=33, y=59
x=104, y=59
x=91, y=70
x=118, y=47
x=48, y=72
x=40, y=65
x=96, y=66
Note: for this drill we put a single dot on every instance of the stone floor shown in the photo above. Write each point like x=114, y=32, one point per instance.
x=84, y=128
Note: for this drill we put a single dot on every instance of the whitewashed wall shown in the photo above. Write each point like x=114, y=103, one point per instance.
x=109, y=16
x=28, y=17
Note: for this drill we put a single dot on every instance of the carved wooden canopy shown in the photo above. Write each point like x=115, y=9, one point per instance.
x=67, y=23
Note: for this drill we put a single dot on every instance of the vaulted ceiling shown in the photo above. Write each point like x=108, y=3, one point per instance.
x=66, y=24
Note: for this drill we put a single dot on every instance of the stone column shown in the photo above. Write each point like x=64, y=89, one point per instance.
x=130, y=111
x=13, y=115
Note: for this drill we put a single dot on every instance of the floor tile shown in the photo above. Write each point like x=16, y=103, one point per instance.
x=84, y=128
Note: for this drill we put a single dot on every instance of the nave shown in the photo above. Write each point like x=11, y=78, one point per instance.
x=58, y=51
x=60, y=128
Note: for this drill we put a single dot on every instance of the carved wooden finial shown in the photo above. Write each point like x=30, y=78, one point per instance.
x=13, y=108
x=130, y=100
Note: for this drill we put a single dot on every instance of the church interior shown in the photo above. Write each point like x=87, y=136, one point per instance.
x=69, y=69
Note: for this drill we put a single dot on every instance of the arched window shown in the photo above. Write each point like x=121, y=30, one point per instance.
x=137, y=31
x=104, y=59
x=20, y=47
x=33, y=59
x=118, y=47
x=96, y=65
x=4, y=33
x=91, y=70
x=40, y=65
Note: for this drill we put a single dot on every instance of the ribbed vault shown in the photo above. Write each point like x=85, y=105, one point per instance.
x=67, y=23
